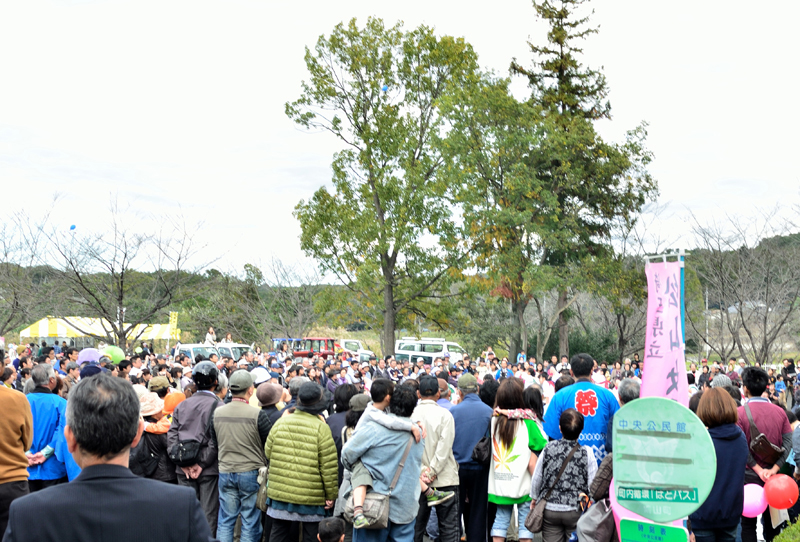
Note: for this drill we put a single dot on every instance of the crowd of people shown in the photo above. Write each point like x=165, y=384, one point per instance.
x=268, y=447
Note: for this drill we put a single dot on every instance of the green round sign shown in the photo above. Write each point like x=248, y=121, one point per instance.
x=664, y=459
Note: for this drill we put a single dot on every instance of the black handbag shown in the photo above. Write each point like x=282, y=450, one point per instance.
x=143, y=461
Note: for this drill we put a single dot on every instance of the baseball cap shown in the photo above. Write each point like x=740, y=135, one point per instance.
x=359, y=402
x=364, y=365
x=447, y=354
x=240, y=381
x=273, y=374
x=158, y=383
x=276, y=365
x=467, y=382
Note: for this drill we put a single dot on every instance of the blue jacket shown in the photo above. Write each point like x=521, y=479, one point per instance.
x=49, y=418
x=380, y=450
x=723, y=508
x=598, y=406
x=472, y=418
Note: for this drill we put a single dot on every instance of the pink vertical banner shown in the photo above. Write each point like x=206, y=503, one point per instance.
x=664, y=373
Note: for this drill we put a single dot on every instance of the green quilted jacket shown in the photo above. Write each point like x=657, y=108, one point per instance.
x=302, y=460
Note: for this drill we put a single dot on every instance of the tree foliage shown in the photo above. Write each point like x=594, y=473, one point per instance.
x=385, y=230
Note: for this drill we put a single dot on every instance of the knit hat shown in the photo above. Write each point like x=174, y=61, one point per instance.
x=269, y=394
x=468, y=382
x=151, y=404
x=90, y=370
x=172, y=400
x=721, y=381
x=311, y=399
x=359, y=402
x=158, y=383
x=240, y=381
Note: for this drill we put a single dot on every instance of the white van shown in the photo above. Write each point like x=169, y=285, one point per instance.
x=429, y=349
x=355, y=348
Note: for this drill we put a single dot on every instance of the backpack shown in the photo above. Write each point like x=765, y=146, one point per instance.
x=143, y=461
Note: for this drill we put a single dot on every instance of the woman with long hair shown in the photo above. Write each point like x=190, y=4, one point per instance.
x=534, y=401
x=515, y=445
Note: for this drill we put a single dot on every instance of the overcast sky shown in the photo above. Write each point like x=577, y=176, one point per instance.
x=180, y=104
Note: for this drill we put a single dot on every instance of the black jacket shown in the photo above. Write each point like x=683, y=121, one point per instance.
x=133, y=509
x=155, y=444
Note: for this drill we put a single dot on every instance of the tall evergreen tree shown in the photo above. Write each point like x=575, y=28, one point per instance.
x=595, y=181
x=560, y=83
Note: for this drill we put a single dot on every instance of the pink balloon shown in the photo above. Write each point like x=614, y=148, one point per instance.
x=620, y=512
x=755, y=501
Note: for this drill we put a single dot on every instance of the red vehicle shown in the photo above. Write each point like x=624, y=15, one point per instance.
x=316, y=346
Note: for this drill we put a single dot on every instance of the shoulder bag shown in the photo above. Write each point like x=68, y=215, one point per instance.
x=760, y=446
x=482, y=453
x=536, y=515
x=597, y=523
x=186, y=453
x=376, y=505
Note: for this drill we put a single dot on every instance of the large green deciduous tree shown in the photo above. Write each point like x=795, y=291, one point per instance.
x=384, y=228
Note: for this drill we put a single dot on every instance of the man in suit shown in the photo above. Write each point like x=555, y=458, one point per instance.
x=102, y=425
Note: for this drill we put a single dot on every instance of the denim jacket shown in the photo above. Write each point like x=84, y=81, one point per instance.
x=380, y=450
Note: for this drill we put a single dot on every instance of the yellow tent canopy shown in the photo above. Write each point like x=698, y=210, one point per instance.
x=76, y=326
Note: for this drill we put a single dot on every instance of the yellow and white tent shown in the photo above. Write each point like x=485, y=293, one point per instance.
x=75, y=326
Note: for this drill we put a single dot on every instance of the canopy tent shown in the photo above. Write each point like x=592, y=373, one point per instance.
x=51, y=327
x=70, y=327
x=153, y=332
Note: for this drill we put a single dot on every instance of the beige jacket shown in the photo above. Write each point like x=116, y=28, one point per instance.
x=438, y=453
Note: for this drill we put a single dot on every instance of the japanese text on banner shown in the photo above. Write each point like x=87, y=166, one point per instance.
x=664, y=373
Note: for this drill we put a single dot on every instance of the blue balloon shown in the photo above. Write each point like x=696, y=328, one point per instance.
x=385, y=88
x=71, y=228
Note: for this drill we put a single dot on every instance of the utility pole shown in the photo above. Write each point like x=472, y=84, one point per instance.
x=706, y=317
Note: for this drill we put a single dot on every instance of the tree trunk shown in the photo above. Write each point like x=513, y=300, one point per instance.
x=519, y=320
x=388, y=319
x=563, y=325
x=517, y=308
x=622, y=322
